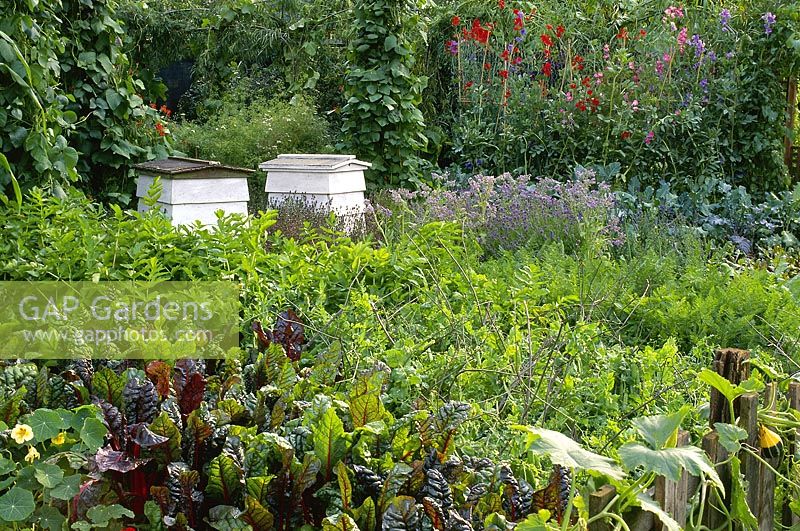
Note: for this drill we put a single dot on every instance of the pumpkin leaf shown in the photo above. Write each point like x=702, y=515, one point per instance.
x=669, y=462
x=565, y=452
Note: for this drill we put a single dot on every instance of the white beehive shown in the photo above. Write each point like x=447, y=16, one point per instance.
x=193, y=190
x=332, y=181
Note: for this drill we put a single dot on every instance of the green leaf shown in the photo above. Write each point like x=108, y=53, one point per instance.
x=726, y=388
x=101, y=515
x=396, y=478
x=330, y=444
x=224, y=479
x=535, y=522
x=93, y=433
x=14, y=183
x=304, y=474
x=16, y=505
x=339, y=522
x=564, y=451
x=7, y=466
x=366, y=515
x=171, y=450
x=739, y=508
x=153, y=513
x=669, y=462
x=68, y=488
x=345, y=487
x=658, y=430
x=365, y=399
x=720, y=383
x=257, y=515
x=46, y=424
x=108, y=385
x=730, y=436
x=50, y=518
x=258, y=487
x=113, y=98
x=48, y=475
x=390, y=43
x=650, y=505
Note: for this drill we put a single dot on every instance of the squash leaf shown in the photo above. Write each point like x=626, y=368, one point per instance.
x=565, y=452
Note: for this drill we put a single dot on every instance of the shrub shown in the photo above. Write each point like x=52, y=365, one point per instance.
x=245, y=134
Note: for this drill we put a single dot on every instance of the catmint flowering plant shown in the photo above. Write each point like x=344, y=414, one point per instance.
x=508, y=213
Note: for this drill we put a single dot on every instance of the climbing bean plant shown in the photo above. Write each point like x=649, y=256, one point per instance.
x=381, y=120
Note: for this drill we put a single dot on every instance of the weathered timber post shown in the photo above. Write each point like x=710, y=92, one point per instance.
x=790, y=519
x=673, y=496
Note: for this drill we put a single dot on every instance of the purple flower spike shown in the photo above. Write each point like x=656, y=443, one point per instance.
x=769, y=21
x=724, y=19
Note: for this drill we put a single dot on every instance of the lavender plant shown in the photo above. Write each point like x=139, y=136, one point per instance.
x=507, y=213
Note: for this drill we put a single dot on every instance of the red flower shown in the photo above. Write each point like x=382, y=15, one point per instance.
x=586, y=82
x=504, y=55
x=581, y=105
x=560, y=31
x=160, y=129
x=642, y=33
x=456, y=20
x=549, y=27
x=547, y=69
x=577, y=62
x=623, y=34
x=503, y=74
x=517, y=60
x=486, y=66
x=573, y=86
x=546, y=40
x=589, y=92
x=595, y=103
x=153, y=106
x=625, y=135
x=469, y=84
x=479, y=33
x=508, y=93
x=518, y=24
x=501, y=4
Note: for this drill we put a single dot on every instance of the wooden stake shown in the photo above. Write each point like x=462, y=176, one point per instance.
x=673, y=495
x=751, y=467
x=712, y=518
x=733, y=364
x=598, y=501
x=790, y=519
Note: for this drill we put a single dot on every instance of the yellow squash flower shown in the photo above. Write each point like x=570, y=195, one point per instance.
x=22, y=433
x=59, y=439
x=33, y=455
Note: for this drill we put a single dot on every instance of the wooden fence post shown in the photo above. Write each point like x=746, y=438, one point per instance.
x=765, y=490
x=732, y=364
x=712, y=518
x=673, y=496
x=598, y=501
x=790, y=519
x=751, y=467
